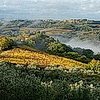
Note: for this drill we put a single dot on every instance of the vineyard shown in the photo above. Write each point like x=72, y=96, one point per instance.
x=24, y=57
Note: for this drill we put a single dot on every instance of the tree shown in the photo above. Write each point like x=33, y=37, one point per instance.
x=72, y=55
x=77, y=56
x=88, y=53
x=5, y=43
x=58, y=48
x=83, y=59
x=97, y=56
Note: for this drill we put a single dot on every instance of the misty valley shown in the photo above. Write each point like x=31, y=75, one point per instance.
x=75, y=42
x=50, y=59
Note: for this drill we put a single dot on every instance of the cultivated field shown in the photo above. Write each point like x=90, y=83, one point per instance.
x=22, y=56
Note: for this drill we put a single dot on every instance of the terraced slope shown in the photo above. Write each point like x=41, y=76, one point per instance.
x=22, y=56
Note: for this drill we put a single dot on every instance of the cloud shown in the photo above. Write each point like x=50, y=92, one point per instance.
x=60, y=9
x=98, y=12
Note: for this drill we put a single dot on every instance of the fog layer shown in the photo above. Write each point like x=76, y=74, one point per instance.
x=76, y=42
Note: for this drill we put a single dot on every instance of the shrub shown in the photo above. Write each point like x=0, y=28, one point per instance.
x=5, y=43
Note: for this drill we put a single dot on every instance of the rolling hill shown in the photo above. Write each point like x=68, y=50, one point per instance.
x=24, y=57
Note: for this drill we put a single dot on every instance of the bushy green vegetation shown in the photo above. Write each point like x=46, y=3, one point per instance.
x=18, y=82
x=58, y=48
x=5, y=43
x=77, y=56
x=97, y=56
x=94, y=66
x=87, y=52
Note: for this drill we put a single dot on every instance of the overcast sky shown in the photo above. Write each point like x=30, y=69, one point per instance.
x=50, y=9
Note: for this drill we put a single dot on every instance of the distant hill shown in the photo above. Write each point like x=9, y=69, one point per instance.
x=24, y=57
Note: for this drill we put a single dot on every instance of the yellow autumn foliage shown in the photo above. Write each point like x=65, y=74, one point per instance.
x=22, y=56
